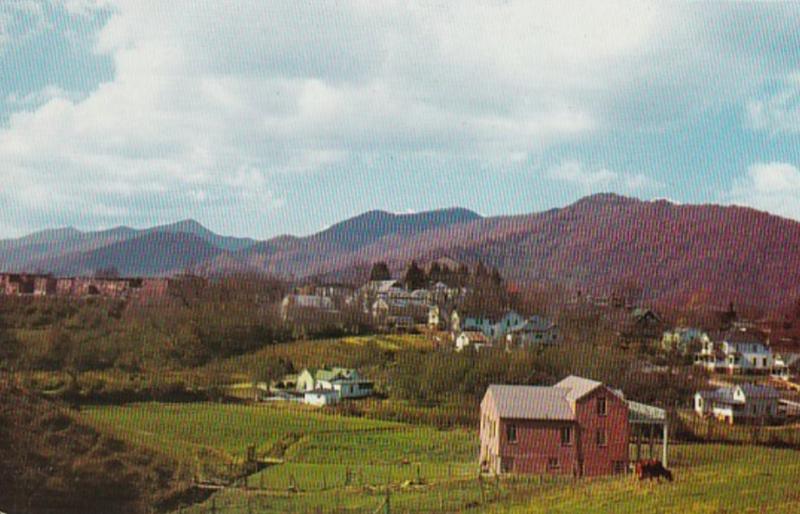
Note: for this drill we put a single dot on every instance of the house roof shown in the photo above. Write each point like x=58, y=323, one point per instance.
x=384, y=286
x=326, y=392
x=758, y=391
x=534, y=324
x=578, y=387
x=751, y=391
x=333, y=373
x=739, y=336
x=531, y=402
x=544, y=403
x=641, y=312
x=311, y=301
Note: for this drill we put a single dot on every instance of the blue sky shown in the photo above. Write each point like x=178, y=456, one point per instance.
x=263, y=118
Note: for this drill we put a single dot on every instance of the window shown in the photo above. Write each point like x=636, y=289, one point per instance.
x=566, y=436
x=619, y=467
x=552, y=464
x=601, y=437
x=601, y=406
x=511, y=434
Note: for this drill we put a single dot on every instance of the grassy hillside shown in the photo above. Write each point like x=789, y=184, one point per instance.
x=337, y=463
x=53, y=463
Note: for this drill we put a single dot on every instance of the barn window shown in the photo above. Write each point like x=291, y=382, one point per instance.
x=566, y=436
x=552, y=464
x=601, y=437
x=511, y=433
x=601, y=406
x=619, y=467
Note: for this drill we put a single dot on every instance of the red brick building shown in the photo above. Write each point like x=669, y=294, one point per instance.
x=577, y=427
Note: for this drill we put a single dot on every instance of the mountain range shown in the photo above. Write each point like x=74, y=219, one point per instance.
x=678, y=253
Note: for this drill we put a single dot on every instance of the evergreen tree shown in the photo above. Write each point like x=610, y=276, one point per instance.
x=496, y=278
x=435, y=273
x=380, y=271
x=414, y=277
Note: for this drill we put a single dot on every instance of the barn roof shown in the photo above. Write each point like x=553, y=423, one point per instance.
x=578, y=387
x=545, y=403
x=531, y=402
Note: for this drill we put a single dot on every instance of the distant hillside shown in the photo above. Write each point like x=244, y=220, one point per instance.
x=69, y=251
x=703, y=253
x=156, y=253
x=337, y=246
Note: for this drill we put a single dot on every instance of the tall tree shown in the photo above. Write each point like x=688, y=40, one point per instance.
x=380, y=271
x=480, y=271
x=496, y=278
x=435, y=273
x=414, y=277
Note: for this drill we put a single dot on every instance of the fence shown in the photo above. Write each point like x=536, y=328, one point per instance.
x=454, y=495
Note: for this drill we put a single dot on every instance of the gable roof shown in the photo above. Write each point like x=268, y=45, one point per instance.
x=758, y=391
x=328, y=374
x=384, y=286
x=310, y=301
x=531, y=402
x=735, y=336
x=578, y=387
x=534, y=324
x=751, y=391
x=543, y=403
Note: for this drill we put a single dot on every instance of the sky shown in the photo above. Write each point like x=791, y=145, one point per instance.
x=264, y=118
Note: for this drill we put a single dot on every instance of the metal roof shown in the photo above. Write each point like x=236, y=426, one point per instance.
x=642, y=413
x=531, y=402
x=578, y=387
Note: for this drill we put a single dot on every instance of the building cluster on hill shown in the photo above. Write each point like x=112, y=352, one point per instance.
x=741, y=349
x=451, y=305
x=46, y=285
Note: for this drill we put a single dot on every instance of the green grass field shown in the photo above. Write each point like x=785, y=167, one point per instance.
x=211, y=435
x=345, y=464
x=345, y=351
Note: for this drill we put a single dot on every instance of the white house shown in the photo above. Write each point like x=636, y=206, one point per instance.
x=472, y=338
x=321, y=397
x=736, y=351
x=740, y=403
x=534, y=331
x=493, y=328
x=682, y=339
x=345, y=383
x=301, y=303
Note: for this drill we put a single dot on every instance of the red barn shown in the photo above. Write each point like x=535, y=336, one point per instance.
x=577, y=427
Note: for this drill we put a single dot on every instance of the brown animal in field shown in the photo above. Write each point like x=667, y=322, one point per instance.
x=652, y=470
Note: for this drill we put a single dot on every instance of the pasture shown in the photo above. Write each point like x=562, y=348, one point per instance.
x=336, y=463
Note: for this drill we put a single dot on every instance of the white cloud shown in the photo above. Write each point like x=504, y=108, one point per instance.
x=599, y=178
x=779, y=112
x=204, y=89
x=772, y=187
